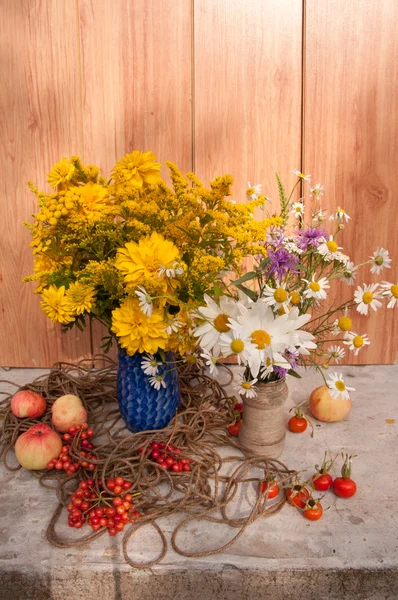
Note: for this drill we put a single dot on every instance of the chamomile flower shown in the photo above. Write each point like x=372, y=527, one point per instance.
x=342, y=326
x=217, y=318
x=355, y=342
x=367, y=296
x=319, y=216
x=211, y=362
x=390, y=290
x=277, y=297
x=297, y=209
x=173, y=326
x=170, y=272
x=380, y=260
x=338, y=388
x=236, y=343
x=317, y=190
x=267, y=367
x=329, y=250
x=145, y=301
x=254, y=191
x=157, y=381
x=301, y=175
x=339, y=215
x=247, y=388
x=337, y=353
x=349, y=274
x=316, y=289
x=150, y=365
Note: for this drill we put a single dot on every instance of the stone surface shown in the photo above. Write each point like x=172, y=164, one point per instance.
x=352, y=552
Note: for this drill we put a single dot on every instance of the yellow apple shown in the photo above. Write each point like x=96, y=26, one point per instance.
x=37, y=446
x=68, y=411
x=325, y=408
x=28, y=404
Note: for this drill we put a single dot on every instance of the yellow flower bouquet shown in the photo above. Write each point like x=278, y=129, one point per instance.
x=139, y=256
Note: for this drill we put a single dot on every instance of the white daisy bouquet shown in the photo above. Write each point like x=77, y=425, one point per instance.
x=281, y=313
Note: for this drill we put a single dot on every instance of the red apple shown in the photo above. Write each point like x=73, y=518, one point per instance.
x=37, y=446
x=68, y=411
x=28, y=404
x=326, y=408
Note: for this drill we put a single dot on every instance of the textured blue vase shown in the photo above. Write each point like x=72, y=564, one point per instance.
x=141, y=405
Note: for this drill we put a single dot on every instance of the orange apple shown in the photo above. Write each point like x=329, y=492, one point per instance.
x=37, y=446
x=28, y=404
x=68, y=411
x=325, y=408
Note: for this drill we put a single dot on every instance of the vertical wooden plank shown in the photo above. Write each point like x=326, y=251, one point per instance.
x=136, y=59
x=351, y=142
x=248, y=91
x=41, y=121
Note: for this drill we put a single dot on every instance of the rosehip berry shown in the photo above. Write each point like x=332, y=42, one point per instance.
x=176, y=468
x=100, y=511
x=126, y=485
x=67, y=437
x=85, y=505
x=119, y=526
x=119, y=480
x=103, y=522
x=117, y=501
x=90, y=432
x=155, y=454
x=155, y=445
x=120, y=509
x=186, y=467
x=112, y=531
x=110, y=512
x=78, y=525
x=110, y=483
x=58, y=465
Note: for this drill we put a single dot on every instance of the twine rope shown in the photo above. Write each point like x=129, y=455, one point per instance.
x=199, y=430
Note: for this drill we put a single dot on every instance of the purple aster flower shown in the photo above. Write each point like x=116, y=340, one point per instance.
x=276, y=237
x=281, y=262
x=310, y=237
x=292, y=356
x=280, y=371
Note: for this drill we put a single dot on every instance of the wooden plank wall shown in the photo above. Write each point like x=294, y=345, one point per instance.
x=214, y=85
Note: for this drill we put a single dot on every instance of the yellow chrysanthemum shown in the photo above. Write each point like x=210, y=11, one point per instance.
x=136, y=331
x=62, y=172
x=149, y=259
x=94, y=201
x=80, y=297
x=138, y=168
x=55, y=305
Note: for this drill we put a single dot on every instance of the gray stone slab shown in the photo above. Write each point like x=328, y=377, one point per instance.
x=352, y=552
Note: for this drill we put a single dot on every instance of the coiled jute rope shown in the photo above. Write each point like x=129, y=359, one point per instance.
x=199, y=430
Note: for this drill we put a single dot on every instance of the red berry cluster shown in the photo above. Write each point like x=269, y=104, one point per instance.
x=88, y=506
x=65, y=461
x=166, y=456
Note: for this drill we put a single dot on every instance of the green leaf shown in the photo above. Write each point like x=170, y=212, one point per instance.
x=294, y=374
x=246, y=277
x=264, y=263
x=252, y=295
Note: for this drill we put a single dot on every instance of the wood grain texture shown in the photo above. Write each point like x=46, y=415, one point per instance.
x=248, y=91
x=351, y=142
x=136, y=65
x=40, y=122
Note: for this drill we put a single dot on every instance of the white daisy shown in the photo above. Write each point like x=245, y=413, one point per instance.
x=338, y=388
x=342, y=325
x=217, y=322
x=337, y=353
x=145, y=301
x=317, y=190
x=355, y=342
x=316, y=289
x=173, y=326
x=150, y=365
x=277, y=297
x=329, y=250
x=319, y=216
x=211, y=362
x=157, y=382
x=367, y=297
x=349, y=274
x=267, y=367
x=297, y=209
x=257, y=189
x=391, y=291
x=339, y=215
x=380, y=260
x=236, y=343
x=246, y=387
x=301, y=175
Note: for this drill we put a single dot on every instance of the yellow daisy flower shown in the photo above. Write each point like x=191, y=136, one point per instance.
x=94, y=201
x=152, y=257
x=55, y=305
x=137, y=332
x=62, y=172
x=80, y=297
x=138, y=168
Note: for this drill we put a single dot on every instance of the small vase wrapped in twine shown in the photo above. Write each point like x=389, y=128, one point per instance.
x=263, y=429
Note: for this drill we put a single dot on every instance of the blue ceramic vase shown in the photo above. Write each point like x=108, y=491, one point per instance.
x=143, y=407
